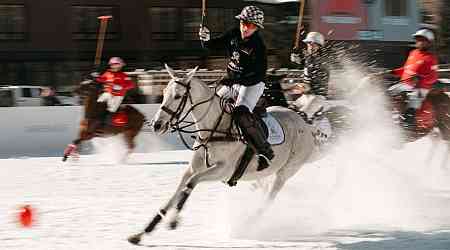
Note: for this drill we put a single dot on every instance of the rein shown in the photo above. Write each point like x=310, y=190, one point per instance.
x=179, y=124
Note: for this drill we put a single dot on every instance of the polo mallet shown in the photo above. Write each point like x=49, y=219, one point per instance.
x=101, y=38
x=299, y=24
x=203, y=13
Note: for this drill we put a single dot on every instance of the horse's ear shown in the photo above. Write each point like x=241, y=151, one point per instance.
x=191, y=74
x=169, y=70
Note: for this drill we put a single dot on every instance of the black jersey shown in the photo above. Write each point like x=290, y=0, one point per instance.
x=247, y=63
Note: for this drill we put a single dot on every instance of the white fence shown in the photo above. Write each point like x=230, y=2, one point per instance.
x=152, y=82
x=45, y=131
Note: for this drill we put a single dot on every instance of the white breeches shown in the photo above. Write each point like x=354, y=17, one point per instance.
x=112, y=102
x=415, y=96
x=246, y=96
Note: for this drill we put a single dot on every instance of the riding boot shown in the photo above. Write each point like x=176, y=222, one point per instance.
x=409, y=118
x=106, y=118
x=254, y=135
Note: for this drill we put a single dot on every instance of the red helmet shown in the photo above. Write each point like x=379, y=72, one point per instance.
x=116, y=60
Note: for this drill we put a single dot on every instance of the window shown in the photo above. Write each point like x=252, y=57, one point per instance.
x=164, y=23
x=12, y=22
x=396, y=7
x=31, y=92
x=85, y=22
x=217, y=20
x=26, y=92
x=192, y=18
x=220, y=20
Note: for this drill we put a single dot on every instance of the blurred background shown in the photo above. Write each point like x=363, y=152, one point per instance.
x=52, y=42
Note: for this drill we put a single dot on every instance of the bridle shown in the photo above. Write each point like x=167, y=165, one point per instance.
x=178, y=122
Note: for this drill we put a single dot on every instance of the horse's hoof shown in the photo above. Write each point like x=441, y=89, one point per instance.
x=173, y=225
x=64, y=159
x=135, y=239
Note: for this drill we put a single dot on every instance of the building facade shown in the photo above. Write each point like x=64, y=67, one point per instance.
x=53, y=42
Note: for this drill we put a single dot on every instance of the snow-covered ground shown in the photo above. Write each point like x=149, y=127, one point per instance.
x=363, y=195
x=379, y=201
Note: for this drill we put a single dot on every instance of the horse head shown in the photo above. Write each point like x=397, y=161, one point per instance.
x=176, y=96
x=87, y=88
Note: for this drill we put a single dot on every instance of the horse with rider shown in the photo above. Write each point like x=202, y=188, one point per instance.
x=227, y=122
x=233, y=139
x=106, y=111
x=419, y=98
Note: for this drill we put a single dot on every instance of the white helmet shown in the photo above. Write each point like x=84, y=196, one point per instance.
x=428, y=34
x=315, y=37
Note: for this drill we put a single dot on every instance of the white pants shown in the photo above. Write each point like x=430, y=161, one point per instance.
x=415, y=96
x=246, y=96
x=112, y=102
x=310, y=104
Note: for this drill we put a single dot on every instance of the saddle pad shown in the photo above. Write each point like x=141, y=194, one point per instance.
x=425, y=116
x=119, y=119
x=276, y=133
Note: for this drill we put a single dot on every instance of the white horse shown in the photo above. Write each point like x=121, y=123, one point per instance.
x=215, y=145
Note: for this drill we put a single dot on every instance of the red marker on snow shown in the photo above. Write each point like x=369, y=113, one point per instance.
x=26, y=216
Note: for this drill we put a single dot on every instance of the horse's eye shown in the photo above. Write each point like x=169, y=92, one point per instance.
x=177, y=96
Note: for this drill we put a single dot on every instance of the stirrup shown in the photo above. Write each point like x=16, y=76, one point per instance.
x=263, y=162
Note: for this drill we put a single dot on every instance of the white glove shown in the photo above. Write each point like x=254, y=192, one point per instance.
x=204, y=34
x=295, y=58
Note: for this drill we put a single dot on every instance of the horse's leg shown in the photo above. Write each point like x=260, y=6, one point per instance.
x=129, y=135
x=215, y=173
x=279, y=182
x=434, y=144
x=83, y=135
x=135, y=239
x=136, y=120
x=280, y=179
x=445, y=161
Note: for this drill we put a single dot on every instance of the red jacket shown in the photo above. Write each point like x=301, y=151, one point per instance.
x=116, y=83
x=422, y=64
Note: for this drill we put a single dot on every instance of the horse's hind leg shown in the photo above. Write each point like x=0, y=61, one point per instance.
x=434, y=144
x=130, y=136
x=445, y=161
x=137, y=121
x=278, y=184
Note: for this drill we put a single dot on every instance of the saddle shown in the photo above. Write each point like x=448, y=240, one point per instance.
x=274, y=134
x=117, y=119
